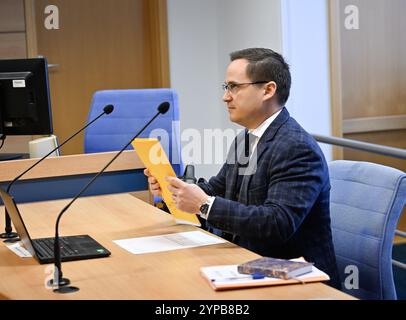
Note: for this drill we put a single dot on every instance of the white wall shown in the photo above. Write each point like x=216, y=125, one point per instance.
x=203, y=33
x=193, y=57
x=306, y=47
x=247, y=24
x=201, y=36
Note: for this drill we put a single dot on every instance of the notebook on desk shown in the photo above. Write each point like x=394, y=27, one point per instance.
x=78, y=247
x=227, y=277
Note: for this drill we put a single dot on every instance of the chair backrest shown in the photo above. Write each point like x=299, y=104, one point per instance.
x=366, y=202
x=132, y=110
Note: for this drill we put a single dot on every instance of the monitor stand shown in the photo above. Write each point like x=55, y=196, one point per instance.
x=13, y=156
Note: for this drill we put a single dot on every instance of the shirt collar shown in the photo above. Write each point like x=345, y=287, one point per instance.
x=260, y=130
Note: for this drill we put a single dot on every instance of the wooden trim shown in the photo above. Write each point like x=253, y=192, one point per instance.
x=158, y=24
x=373, y=124
x=69, y=165
x=30, y=28
x=335, y=75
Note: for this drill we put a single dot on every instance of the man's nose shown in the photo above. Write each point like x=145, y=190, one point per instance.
x=227, y=96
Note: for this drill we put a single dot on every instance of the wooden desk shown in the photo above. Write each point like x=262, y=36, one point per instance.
x=166, y=275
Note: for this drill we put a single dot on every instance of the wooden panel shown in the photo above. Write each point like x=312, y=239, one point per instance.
x=371, y=124
x=69, y=165
x=100, y=45
x=395, y=138
x=402, y=227
x=158, y=44
x=335, y=75
x=369, y=76
x=12, y=45
x=373, y=60
x=12, y=16
x=31, y=30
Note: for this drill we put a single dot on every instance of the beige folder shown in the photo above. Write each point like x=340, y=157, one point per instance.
x=155, y=159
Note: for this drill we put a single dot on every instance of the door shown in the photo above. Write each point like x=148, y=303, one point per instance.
x=100, y=44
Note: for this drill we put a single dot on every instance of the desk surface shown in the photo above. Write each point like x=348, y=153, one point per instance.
x=165, y=275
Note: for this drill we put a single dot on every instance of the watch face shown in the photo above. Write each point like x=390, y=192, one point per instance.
x=204, y=208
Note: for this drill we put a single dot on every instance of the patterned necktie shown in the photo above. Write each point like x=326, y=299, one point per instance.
x=249, y=142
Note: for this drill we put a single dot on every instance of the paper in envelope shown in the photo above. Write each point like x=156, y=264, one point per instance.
x=154, y=158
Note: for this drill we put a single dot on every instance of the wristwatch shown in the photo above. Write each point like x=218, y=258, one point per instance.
x=204, y=208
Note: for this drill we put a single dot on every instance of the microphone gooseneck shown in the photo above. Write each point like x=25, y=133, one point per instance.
x=58, y=280
x=8, y=228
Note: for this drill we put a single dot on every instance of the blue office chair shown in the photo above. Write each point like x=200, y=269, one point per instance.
x=132, y=110
x=366, y=202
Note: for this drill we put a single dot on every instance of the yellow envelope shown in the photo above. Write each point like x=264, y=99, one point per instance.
x=155, y=159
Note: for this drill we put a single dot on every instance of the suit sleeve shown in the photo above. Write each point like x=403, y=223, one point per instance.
x=295, y=180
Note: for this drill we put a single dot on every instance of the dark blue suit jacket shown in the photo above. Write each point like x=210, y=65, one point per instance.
x=281, y=210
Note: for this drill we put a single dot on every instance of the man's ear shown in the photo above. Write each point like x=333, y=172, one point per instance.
x=270, y=90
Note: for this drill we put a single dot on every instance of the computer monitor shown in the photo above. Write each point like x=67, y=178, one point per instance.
x=25, y=107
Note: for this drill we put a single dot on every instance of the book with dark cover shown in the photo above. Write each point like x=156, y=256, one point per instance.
x=276, y=268
x=228, y=277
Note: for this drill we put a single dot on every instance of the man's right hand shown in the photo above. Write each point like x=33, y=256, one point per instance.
x=154, y=186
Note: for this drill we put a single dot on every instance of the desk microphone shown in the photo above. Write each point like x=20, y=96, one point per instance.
x=58, y=281
x=189, y=175
x=8, y=229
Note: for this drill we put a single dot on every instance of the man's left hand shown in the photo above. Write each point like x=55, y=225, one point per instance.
x=187, y=197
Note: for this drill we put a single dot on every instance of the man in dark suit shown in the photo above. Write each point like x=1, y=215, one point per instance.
x=272, y=194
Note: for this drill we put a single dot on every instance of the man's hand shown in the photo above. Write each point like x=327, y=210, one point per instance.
x=187, y=197
x=153, y=184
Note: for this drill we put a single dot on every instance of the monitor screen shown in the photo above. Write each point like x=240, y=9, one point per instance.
x=25, y=107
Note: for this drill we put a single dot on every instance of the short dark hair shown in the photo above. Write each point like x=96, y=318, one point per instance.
x=267, y=65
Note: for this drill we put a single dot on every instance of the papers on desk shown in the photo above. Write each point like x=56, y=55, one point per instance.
x=227, y=277
x=168, y=242
x=19, y=250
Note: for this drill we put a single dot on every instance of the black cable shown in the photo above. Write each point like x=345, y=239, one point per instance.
x=2, y=138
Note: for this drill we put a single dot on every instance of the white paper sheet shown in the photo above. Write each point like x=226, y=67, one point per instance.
x=168, y=242
x=19, y=250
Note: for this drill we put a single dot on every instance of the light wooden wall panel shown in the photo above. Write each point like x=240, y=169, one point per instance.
x=335, y=75
x=373, y=60
x=101, y=44
x=12, y=16
x=12, y=45
x=395, y=138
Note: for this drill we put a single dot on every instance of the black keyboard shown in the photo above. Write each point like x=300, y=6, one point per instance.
x=46, y=247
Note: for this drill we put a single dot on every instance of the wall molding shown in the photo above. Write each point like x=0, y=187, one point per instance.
x=374, y=124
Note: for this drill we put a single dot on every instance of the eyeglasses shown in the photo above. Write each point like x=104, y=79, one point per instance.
x=232, y=86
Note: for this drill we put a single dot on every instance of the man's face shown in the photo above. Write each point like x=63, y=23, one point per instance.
x=245, y=102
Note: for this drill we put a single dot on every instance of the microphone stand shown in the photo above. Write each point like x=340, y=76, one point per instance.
x=58, y=280
x=12, y=236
